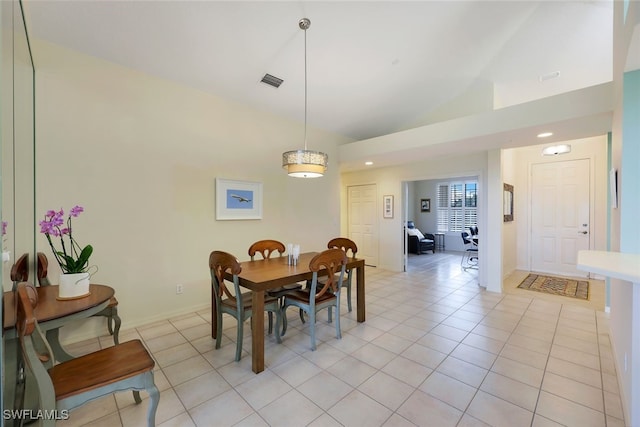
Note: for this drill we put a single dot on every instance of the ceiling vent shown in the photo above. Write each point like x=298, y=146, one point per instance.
x=271, y=80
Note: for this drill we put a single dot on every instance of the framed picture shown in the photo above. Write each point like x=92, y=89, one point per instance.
x=387, y=206
x=238, y=199
x=425, y=205
x=507, y=203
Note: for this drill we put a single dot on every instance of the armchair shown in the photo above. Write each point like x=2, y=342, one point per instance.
x=419, y=242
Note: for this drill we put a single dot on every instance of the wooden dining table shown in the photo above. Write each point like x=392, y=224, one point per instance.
x=261, y=275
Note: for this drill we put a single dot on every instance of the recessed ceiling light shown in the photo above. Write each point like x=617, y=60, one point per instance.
x=545, y=134
x=368, y=163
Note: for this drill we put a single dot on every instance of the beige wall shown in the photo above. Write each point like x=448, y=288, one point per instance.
x=141, y=154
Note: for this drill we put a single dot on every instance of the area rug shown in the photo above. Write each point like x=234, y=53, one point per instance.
x=556, y=285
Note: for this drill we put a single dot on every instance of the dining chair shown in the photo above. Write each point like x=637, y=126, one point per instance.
x=347, y=245
x=320, y=295
x=469, y=260
x=236, y=303
x=20, y=270
x=265, y=248
x=110, y=311
x=70, y=384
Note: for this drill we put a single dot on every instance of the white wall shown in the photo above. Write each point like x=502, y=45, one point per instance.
x=141, y=154
x=510, y=229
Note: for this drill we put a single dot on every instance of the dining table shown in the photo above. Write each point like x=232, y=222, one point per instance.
x=262, y=275
x=51, y=313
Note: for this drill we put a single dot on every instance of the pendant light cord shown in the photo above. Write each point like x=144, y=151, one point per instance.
x=305, y=89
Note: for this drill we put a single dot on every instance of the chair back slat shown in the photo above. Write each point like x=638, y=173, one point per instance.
x=266, y=248
x=42, y=267
x=334, y=261
x=345, y=244
x=20, y=270
x=219, y=263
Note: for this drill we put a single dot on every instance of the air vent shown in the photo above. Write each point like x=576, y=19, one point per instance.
x=271, y=80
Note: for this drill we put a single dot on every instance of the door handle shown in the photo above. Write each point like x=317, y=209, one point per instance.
x=582, y=232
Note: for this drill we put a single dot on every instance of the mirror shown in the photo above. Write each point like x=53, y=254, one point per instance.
x=507, y=202
x=17, y=139
x=17, y=153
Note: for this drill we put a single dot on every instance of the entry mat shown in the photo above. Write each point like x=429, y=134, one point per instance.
x=556, y=285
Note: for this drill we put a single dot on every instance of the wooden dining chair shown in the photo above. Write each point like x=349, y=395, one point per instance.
x=20, y=271
x=266, y=248
x=236, y=303
x=70, y=384
x=348, y=246
x=110, y=311
x=320, y=295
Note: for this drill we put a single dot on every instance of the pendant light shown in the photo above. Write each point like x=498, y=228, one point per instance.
x=305, y=163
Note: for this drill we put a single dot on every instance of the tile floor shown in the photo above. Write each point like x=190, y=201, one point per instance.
x=436, y=350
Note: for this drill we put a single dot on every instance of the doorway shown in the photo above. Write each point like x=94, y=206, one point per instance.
x=560, y=216
x=363, y=226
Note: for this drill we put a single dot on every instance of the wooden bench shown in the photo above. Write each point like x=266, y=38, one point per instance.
x=126, y=366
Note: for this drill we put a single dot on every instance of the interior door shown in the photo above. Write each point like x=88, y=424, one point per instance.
x=363, y=226
x=560, y=206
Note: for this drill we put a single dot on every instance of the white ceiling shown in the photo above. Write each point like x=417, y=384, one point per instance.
x=374, y=68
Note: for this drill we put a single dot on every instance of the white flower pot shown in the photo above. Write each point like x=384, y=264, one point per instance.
x=74, y=285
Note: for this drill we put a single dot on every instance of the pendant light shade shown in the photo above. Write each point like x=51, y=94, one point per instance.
x=305, y=163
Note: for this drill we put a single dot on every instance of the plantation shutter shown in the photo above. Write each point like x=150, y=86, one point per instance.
x=471, y=205
x=456, y=218
x=457, y=206
x=443, y=208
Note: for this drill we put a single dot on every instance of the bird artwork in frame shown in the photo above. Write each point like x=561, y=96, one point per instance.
x=237, y=200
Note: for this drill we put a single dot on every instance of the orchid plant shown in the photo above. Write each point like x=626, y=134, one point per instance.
x=72, y=258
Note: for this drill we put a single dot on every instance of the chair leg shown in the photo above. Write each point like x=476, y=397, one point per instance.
x=278, y=320
x=136, y=396
x=283, y=313
x=154, y=398
x=312, y=327
x=218, y=329
x=239, y=340
x=270, y=315
x=338, y=330
x=302, y=315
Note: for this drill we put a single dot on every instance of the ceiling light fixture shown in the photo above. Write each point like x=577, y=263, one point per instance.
x=305, y=163
x=545, y=134
x=554, y=150
x=368, y=163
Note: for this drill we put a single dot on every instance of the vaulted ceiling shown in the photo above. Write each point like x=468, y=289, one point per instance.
x=374, y=67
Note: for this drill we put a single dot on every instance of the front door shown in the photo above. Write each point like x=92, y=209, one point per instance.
x=560, y=206
x=363, y=227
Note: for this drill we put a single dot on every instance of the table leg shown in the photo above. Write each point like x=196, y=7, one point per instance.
x=257, y=331
x=360, y=293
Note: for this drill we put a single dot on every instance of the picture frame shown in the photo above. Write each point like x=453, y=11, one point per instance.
x=238, y=200
x=425, y=205
x=387, y=206
x=507, y=203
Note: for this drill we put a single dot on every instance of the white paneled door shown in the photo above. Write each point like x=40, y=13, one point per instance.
x=560, y=225
x=363, y=225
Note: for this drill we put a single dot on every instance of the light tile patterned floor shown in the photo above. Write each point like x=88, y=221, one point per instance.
x=436, y=350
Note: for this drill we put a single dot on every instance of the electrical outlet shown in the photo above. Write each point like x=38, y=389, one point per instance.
x=179, y=289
